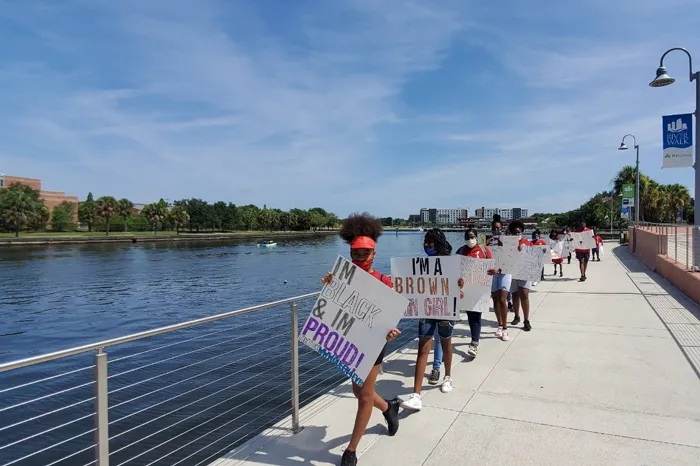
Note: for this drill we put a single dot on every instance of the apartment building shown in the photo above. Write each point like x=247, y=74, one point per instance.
x=443, y=216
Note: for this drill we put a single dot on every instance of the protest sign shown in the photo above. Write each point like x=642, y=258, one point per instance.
x=351, y=318
x=532, y=259
x=477, y=281
x=430, y=284
x=583, y=240
x=505, y=252
x=557, y=249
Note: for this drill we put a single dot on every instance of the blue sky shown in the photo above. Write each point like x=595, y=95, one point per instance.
x=377, y=105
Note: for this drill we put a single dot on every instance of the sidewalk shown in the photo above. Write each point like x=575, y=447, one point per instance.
x=600, y=380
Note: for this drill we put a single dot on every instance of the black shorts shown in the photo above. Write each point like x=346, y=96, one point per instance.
x=583, y=256
x=380, y=358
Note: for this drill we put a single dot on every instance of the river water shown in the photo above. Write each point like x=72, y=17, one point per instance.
x=57, y=297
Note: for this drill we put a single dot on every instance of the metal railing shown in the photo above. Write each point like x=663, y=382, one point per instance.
x=678, y=242
x=183, y=394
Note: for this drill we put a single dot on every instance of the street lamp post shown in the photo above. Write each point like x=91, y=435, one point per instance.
x=663, y=79
x=623, y=146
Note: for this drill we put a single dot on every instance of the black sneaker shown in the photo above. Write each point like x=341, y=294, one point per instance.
x=516, y=320
x=561, y=274
x=349, y=458
x=392, y=418
x=434, y=377
x=510, y=306
x=526, y=326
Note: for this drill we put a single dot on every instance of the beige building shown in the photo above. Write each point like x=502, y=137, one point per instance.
x=51, y=198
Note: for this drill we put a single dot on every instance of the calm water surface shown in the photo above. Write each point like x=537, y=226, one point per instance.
x=57, y=297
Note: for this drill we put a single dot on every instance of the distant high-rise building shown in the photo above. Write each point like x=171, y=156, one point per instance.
x=442, y=216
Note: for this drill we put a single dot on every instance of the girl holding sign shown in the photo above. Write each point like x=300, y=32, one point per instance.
x=362, y=232
x=473, y=249
x=435, y=244
x=500, y=286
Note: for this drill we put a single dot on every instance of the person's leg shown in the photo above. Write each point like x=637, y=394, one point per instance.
x=579, y=257
x=474, y=319
x=437, y=354
x=445, y=329
x=426, y=330
x=515, y=286
x=584, y=264
x=366, y=399
x=524, y=293
x=496, y=298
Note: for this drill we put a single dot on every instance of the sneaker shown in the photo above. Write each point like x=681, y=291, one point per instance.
x=582, y=279
x=526, y=326
x=499, y=332
x=585, y=277
x=534, y=283
x=516, y=320
x=472, y=350
x=434, y=377
x=446, y=385
x=510, y=306
x=504, y=336
x=349, y=458
x=561, y=274
x=391, y=415
x=413, y=402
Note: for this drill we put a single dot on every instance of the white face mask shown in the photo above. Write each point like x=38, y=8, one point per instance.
x=471, y=242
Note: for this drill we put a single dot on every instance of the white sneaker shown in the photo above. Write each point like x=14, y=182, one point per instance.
x=499, y=332
x=504, y=335
x=413, y=402
x=446, y=385
x=534, y=283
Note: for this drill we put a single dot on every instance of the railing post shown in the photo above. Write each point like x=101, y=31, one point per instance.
x=675, y=240
x=687, y=248
x=295, y=368
x=101, y=410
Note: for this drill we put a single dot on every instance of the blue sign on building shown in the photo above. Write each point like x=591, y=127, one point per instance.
x=678, y=140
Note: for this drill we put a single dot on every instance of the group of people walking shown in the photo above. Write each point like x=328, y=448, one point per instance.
x=361, y=232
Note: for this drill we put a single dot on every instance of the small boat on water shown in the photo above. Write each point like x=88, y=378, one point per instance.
x=267, y=244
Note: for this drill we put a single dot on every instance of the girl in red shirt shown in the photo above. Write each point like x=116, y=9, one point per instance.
x=473, y=249
x=361, y=233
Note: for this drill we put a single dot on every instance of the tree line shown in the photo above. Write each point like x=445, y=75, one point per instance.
x=21, y=208
x=660, y=203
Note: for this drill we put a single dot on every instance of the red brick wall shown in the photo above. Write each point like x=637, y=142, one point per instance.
x=51, y=198
x=31, y=182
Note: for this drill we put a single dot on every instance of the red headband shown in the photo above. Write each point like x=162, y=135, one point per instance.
x=362, y=242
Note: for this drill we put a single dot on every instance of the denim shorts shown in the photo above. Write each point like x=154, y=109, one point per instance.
x=501, y=282
x=426, y=328
x=518, y=284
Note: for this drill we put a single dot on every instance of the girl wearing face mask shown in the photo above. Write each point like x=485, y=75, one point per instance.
x=435, y=244
x=538, y=241
x=500, y=286
x=361, y=232
x=473, y=249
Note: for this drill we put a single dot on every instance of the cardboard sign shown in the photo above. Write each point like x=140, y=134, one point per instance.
x=583, y=240
x=477, y=282
x=532, y=260
x=505, y=252
x=430, y=284
x=351, y=318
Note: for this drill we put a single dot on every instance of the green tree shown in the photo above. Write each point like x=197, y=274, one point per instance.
x=156, y=213
x=19, y=204
x=62, y=217
x=179, y=216
x=106, y=208
x=87, y=212
x=38, y=218
x=125, y=209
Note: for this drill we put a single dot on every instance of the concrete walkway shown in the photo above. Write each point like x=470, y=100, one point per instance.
x=600, y=380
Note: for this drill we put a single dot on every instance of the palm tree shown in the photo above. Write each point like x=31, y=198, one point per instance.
x=678, y=199
x=106, y=207
x=179, y=216
x=125, y=209
x=156, y=213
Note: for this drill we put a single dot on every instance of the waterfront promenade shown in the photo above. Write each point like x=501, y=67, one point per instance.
x=609, y=375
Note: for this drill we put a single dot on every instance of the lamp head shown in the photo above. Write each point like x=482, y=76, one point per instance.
x=661, y=79
x=623, y=146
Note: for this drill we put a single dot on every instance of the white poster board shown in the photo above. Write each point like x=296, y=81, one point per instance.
x=477, y=281
x=430, y=284
x=532, y=259
x=504, y=250
x=557, y=247
x=583, y=240
x=351, y=318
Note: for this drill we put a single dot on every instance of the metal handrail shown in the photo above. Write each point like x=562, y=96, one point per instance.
x=101, y=411
x=100, y=345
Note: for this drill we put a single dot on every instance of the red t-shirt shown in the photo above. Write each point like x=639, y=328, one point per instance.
x=581, y=231
x=525, y=242
x=539, y=242
x=478, y=252
x=598, y=240
x=384, y=278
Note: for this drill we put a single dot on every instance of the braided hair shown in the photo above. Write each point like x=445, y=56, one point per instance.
x=437, y=236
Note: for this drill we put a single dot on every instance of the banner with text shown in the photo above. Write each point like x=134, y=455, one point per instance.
x=583, y=240
x=430, y=284
x=677, y=140
x=351, y=318
x=628, y=191
x=532, y=260
x=477, y=281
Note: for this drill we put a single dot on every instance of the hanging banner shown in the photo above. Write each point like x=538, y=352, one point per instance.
x=678, y=140
x=628, y=195
x=625, y=213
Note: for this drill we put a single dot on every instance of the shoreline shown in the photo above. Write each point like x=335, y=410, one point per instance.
x=126, y=238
